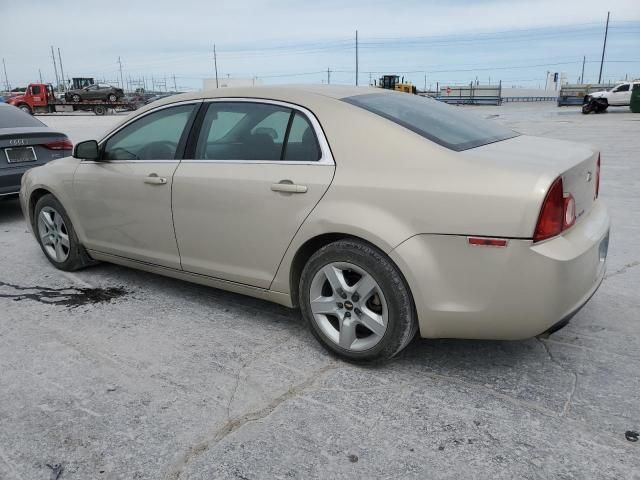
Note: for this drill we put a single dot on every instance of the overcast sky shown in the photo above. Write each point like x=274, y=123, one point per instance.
x=295, y=41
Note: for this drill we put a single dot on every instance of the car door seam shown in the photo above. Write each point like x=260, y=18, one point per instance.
x=286, y=250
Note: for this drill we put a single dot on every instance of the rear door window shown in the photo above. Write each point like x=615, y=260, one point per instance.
x=302, y=144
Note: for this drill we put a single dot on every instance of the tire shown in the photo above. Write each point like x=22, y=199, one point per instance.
x=74, y=256
x=390, y=302
x=99, y=110
x=586, y=108
x=76, y=98
x=112, y=97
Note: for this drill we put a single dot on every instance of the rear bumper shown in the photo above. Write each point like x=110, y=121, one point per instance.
x=522, y=290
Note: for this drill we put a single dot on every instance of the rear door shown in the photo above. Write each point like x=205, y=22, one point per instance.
x=257, y=170
x=621, y=95
x=124, y=200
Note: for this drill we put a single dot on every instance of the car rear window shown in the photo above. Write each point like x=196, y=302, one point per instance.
x=448, y=126
x=11, y=117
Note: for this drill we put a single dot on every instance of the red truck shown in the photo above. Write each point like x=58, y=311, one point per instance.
x=39, y=98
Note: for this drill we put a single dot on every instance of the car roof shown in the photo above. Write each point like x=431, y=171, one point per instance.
x=287, y=93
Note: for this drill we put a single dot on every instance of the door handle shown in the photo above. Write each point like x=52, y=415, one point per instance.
x=287, y=187
x=154, y=179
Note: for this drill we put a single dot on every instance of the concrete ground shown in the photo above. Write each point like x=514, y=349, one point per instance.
x=114, y=373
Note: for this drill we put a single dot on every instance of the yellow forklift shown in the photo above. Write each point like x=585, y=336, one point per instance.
x=392, y=82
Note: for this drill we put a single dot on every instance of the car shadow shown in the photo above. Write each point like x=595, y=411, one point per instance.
x=10, y=210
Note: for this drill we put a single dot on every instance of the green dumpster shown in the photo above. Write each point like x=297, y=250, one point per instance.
x=635, y=98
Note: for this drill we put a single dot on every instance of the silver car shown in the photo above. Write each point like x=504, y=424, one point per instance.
x=379, y=214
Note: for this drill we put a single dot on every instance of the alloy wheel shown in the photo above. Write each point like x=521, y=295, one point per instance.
x=349, y=306
x=54, y=234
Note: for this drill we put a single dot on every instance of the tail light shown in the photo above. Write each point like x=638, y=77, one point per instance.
x=551, y=221
x=64, y=144
x=598, y=176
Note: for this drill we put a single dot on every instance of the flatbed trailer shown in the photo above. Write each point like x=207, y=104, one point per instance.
x=39, y=98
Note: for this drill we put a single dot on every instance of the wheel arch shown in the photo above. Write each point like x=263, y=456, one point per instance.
x=36, y=195
x=312, y=245
x=24, y=104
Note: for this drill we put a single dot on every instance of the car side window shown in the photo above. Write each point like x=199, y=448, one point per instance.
x=35, y=90
x=623, y=88
x=242, y=131
x=302, y=144
x=153, y=137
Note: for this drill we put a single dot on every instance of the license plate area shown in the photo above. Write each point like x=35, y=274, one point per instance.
x=20, y=154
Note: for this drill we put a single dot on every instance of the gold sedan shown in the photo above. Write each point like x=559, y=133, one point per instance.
x=378, y=213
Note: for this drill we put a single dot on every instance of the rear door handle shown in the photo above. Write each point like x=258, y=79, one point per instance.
x=154, y=179
x=287, y=187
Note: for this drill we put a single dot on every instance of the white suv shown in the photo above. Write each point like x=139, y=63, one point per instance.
x=620, y=95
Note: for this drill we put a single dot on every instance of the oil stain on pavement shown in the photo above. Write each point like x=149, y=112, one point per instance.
x=70, y=297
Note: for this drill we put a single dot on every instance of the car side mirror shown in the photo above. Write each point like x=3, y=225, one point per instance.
x=87, y=150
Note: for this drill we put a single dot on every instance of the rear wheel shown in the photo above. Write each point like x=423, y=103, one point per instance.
x=112, y=97
x=99, y=110
x=56, y=236
x=356, y=301
x=76, y=98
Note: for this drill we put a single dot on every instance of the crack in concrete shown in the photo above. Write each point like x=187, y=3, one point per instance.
x=569, y=401
x=622, y=270
x=232, y=425
x=242, y=368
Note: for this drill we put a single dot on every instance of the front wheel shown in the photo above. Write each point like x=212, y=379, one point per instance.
x=112, y=97
x=356, y=301
x=25, y=108
x=76, y=98
x=56, y=236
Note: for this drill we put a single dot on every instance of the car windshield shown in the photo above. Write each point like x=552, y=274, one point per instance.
x=448, y=126
x=11, y=117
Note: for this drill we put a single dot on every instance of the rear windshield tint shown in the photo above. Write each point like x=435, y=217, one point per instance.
x=448, y=126
x=11, y=117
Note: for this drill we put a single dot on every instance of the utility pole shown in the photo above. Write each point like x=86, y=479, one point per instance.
x=356, y=58
x=175, y=88
x=62, y=70
x=584, y=58
x=425, y=82
x=604, y=46
x=328, y=76
x=215, y=63
x=121, y=77
x=55, y=68
x=6, y=79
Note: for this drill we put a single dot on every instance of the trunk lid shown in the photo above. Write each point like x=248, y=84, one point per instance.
x=35, y=137
x=547, y=159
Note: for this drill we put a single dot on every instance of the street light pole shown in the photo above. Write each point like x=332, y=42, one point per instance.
x=604, y=46
x=215, y=63
x=356, y=57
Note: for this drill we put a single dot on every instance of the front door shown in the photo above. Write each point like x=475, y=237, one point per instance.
x=258, y=169
x=124, y=200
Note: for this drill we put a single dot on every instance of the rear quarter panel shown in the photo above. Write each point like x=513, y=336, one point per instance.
x=391, y=184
